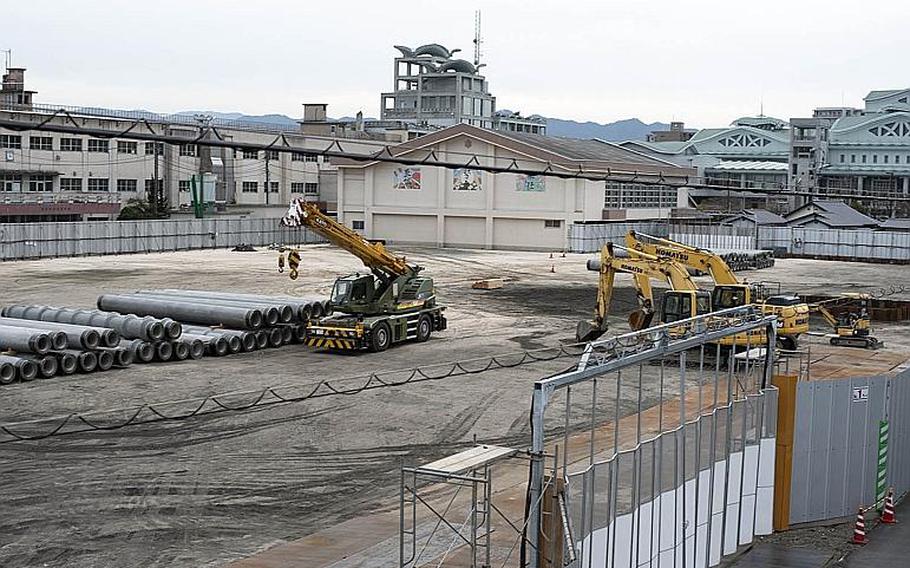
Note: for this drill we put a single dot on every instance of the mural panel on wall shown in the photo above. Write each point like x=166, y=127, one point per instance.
x=530, y=183
x=466, y=179
x=406, y=178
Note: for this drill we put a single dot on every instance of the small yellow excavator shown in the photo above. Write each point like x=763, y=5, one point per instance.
x=729, y=292
x=852, y=328
x=682, y=301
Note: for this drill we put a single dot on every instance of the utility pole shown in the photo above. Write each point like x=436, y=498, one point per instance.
x=156, y=184
x=267, y=188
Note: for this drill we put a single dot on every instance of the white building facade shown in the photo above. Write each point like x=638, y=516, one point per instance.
x=468, y=207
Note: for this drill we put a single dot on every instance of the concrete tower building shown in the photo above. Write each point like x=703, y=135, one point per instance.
x=433, y=89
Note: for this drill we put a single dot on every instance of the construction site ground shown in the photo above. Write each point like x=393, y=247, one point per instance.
x=214, y=489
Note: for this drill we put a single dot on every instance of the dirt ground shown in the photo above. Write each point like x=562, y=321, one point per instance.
x=211, y=489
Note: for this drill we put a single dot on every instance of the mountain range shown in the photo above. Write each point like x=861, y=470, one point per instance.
x=628, y=129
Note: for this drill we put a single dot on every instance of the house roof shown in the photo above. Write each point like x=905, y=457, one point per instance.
x=762, y=217
x=897, y=223
x=567, y=154
x=875, y=95
x=832, y=213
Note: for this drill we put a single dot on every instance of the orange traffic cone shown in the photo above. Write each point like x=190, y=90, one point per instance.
x=551, y=255
x=888, y=511
x=859, y=529
x=552, y=268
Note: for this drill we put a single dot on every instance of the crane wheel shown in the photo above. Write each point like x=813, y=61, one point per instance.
x=381, y=337
x=424, y=328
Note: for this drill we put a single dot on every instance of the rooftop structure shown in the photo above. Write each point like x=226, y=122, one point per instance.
x=509, y=121
x=829, y=214
x=433, y=88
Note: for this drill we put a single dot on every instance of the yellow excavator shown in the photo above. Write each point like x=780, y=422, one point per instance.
x=729, y=292
x=682, y=301
x=392, y=303
x=852, y=328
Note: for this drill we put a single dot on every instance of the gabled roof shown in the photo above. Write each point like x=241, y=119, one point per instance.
x=896, y=224
x=884, y=94
x=759, y=217
x=567, y=154
x=847, y=123
x=832, y=213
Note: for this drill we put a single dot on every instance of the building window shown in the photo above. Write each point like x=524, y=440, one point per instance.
x=10, y=141
x=357, y=225
x=184, y=186
x=99, y=146
x=188, y=150
x=70, y=184
x=311, y=188
x=885, y=158
x=311, y=158
x=41, y=143
x=793, y=169
x=151, y=147
x=273, y=187
x=250, y=187
x=98, y=184
x=127, y=147
x=874, y=158
x=897, y=159
x=864, y=158
x=70, y=144
x=127, y=185
x=297, y=187
x=852, y=158
x=249, y=154
x=552, y=223
x=630, y=195
x=41, y=183
x=150, y=185
x=842, y=158
x=10, y=182
x=298, y=157
x=272, y=155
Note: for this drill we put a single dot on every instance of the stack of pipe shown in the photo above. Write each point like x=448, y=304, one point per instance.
x=306, y=307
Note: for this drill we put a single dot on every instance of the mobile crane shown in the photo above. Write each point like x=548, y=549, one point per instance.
x=682, y=301
x=729, y=292
x=390, y=304
x=851, y=328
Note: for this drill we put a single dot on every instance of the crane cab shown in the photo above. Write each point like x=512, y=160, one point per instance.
x=684, y=304
x=353, y=293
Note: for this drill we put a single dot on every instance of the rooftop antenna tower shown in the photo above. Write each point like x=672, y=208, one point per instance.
x=477, y=40
x=9, y=57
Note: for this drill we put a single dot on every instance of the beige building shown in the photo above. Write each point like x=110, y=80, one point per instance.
x=468, y=207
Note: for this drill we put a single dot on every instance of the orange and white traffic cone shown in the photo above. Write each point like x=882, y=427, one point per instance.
x=888, y=511
x=859, y=529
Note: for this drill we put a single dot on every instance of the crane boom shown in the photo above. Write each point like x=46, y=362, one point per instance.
x=373, y=255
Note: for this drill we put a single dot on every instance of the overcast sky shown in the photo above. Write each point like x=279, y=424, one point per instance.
x=704, y=62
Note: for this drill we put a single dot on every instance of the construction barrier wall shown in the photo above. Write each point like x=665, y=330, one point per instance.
x=684, y=498
x=836, y=455
x=48, y=240
x=837, y=244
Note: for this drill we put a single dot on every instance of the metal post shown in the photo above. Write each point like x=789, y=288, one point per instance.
x=593, y=420
x=267, y=188
x=539, y=405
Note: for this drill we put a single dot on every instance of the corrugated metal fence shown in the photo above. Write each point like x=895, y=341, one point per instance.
x=835, y=448
x=48, y=240
x=841, y=244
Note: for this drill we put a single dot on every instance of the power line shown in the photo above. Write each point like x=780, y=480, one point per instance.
x=211, y=136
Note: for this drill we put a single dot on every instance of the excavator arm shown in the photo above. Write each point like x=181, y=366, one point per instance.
x=373, y=255
x=694, y=257
x=643, y=267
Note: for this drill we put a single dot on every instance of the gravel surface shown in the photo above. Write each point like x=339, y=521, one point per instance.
x=210, y=489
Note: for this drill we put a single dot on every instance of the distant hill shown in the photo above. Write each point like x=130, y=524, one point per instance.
x=630, y=129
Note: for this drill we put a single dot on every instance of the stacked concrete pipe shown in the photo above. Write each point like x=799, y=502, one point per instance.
x=306, y=307
x=77, y=336
x=25, y=370
x=29, y=340
x=129, y=326
x=184, y=311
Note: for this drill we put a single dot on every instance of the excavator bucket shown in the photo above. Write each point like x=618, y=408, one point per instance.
x=588, y=331
x=640, y=319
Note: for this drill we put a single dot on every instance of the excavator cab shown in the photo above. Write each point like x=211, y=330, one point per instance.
x=725, y=296
x=680, y=305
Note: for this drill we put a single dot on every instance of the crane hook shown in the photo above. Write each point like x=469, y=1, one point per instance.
x=280, y=263
x=293, y=263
